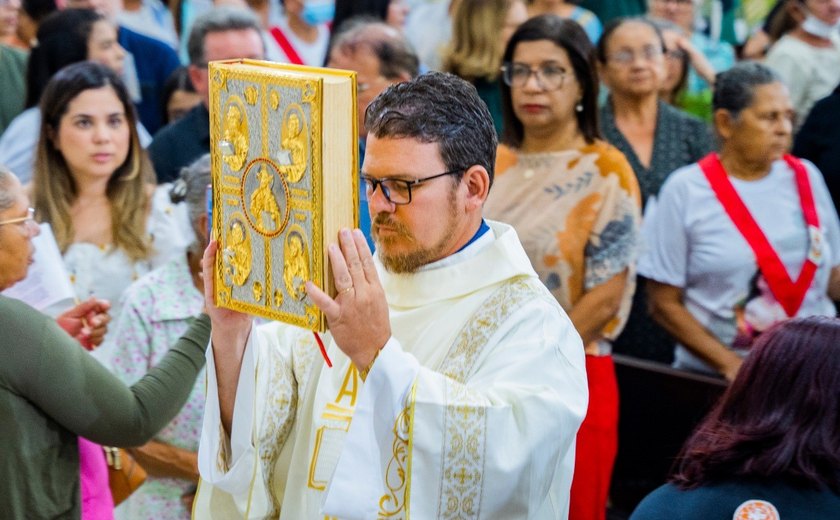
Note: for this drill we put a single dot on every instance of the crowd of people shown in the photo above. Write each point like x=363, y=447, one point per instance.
x=543, y=183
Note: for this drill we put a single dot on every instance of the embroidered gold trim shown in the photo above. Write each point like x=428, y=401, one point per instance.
x=465, y=432
x=394, y=504
x=465, y=425
x=459, y=362
x=465, y=417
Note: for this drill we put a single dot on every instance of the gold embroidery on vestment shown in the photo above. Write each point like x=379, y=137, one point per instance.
x=394, y=503
x=465, y=418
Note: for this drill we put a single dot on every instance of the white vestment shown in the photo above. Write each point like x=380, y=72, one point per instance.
x=470, y=411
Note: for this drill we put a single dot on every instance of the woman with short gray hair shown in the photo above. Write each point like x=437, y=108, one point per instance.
x=743, y=238
x=156, y=311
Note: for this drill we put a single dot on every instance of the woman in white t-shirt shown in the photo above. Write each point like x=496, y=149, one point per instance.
x=744, y=238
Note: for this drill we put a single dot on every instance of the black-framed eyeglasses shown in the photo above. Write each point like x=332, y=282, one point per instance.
x=30, y=217
x=398, y=191
x=550, y=76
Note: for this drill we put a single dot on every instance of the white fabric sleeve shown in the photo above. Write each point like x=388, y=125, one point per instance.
x=529, y=385
x=230, y=463
x=664, y=256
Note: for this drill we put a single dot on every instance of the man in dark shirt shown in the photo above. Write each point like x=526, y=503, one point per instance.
x=222, y=33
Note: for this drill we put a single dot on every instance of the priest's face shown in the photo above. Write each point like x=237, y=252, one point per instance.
x=409, y=236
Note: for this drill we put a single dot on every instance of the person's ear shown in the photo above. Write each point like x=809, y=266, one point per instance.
x=477, y=183
x=202, y=230
x=724, y=123
x=52, y=137
x=198, y=78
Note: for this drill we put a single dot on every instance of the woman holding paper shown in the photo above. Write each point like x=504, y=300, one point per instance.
x=744, y=238
x=56, y=391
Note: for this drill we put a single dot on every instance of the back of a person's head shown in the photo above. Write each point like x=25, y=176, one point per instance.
x=396, y=57
x=37, y=10
x=780, y=418
x=440, y=108
x=219, y=19
x=62, y=40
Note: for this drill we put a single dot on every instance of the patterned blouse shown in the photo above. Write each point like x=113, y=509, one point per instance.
x=156, y=311
x=679, y=140
x=577, y=214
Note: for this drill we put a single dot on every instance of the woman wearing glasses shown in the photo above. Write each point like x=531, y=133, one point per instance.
x=655, y=137
x=574, y=202
x=54, y=390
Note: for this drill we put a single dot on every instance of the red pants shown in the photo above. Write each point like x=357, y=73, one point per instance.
x=597, y=443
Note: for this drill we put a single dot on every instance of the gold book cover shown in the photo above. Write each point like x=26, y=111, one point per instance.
x=284, y=156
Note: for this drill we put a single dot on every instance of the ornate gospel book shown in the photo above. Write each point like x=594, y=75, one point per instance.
x=284, y=155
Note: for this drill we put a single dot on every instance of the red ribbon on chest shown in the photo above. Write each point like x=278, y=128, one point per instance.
x=789, y=293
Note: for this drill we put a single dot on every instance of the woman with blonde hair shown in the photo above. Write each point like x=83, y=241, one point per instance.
x=94, y=185
x=475, y=51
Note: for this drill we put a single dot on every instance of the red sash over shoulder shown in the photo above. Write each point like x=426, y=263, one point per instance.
x=789, y=293
x=286, y=45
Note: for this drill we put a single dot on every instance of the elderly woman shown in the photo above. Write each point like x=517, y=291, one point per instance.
x=771, y=447
x=156, y=311
x=744, y=238
x=56, y=391
x=574, y=203
x=655, y=137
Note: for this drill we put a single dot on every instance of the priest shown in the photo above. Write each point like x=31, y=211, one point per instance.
x=457, y=383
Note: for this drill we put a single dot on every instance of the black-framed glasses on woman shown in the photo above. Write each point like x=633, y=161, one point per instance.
x=398, y=191
x=550, y=76
x=30, y=217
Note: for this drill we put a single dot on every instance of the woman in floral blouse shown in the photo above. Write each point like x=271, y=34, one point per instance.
x=574, y=201
x=156, y=311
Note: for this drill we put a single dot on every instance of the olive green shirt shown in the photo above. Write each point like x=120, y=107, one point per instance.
x=52, y=390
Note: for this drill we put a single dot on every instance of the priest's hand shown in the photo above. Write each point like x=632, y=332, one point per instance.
x=358, y=316
x=229, y=337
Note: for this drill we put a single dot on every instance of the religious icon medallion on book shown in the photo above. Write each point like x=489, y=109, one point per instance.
x=284, y=155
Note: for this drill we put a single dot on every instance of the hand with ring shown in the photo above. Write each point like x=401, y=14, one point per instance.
x=358, y=316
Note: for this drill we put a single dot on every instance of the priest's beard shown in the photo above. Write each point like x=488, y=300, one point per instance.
x=412, y=260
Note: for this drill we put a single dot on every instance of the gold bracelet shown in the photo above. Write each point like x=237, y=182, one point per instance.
x=364, y=373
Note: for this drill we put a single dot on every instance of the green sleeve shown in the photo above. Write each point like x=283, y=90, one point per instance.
x=53, y=372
